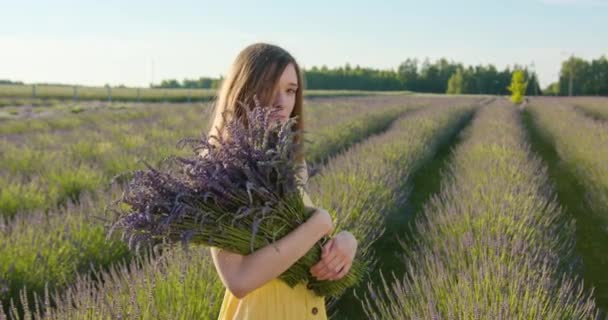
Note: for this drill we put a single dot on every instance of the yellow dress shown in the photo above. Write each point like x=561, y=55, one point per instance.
x=275, y=299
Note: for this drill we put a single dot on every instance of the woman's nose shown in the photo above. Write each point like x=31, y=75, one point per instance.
x=279, y=99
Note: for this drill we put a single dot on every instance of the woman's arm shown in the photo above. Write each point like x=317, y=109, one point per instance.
x=337, y=254
x=242, y=274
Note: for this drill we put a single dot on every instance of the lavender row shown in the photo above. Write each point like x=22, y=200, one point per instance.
x=405, y=145
x=582, y=143
x=69, y=239
x=493, y=244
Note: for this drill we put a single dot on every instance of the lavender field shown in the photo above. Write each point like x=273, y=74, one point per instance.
x=467, y=207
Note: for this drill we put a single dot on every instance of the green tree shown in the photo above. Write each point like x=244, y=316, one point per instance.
x=456, y=83
x=574, y=76
x=552, y=89
x=533, y=85
x=407, y=73
x=518, y=86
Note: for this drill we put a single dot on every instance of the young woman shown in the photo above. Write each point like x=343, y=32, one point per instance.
x=253, y=290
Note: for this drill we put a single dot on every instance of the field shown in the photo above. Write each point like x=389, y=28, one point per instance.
x=61, y=95
x=468, y=206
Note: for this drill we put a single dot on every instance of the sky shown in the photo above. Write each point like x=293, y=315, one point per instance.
x=138, y=42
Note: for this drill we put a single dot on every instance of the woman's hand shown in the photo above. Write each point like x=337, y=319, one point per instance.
x=336, y=258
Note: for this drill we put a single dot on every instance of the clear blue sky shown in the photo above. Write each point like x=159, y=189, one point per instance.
x=136, y=42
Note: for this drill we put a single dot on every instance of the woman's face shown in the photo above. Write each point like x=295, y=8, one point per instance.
x=284, y=97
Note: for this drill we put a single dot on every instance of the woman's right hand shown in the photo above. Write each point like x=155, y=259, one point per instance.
x=322, y=219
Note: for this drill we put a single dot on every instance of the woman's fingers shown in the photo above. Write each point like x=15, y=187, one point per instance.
x=336, y=258
x=319, y=265
x=331, y=268
x=325, y=251
x=322, y=267
x=324, y=262
x=334, y=271
x=327, y=248
x=336, y=264
x=343, y=272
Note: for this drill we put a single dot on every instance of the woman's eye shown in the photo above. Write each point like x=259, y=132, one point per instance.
x=293, y=91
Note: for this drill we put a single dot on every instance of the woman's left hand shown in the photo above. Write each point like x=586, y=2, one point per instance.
x=336, y=258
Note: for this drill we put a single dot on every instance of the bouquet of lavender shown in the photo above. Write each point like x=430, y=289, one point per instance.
x=241, y=195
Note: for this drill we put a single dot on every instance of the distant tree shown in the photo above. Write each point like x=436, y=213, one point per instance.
x=581, y=77
x=533, y=88
x=6, y=81
x=407, y=73
x=456, y=83
x=171, y=83
x=217, y=83
x=552, y=89
x=518, y=86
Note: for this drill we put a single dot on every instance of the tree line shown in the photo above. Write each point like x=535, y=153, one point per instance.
x=440, y=76
x=200, y=83
x=577, y=77
x=581, y=77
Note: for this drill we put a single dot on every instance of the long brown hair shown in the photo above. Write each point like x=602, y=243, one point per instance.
x=255, y=71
